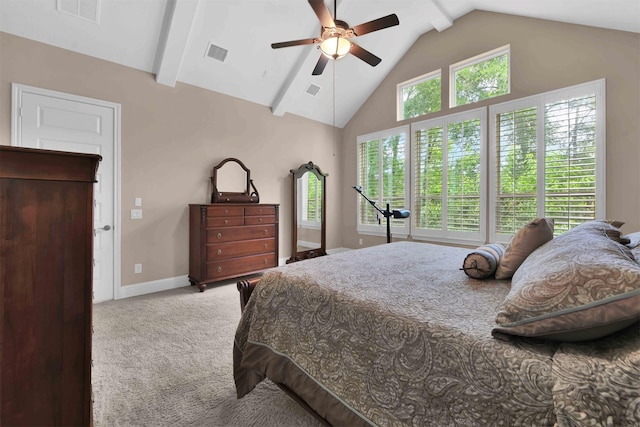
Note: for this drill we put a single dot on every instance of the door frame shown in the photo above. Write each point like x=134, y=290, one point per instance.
x=17, y=90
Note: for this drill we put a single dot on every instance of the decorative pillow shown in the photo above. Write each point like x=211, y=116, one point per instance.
x=483, y=261
x=581, y=285
x=633, y=240
x=526, y=240
x=634, y=244
x=614, y=222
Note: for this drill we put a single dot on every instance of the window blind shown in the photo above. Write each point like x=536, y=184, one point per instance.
x=570, y=161
x=549, y=153
x=393, y=166
x=516, y=179
x=447, y=177
x=382, y=161
x=463, y=176
x=369, y=179
x=427, y=209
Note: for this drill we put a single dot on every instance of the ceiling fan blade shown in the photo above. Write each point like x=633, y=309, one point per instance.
x=365, y=55
x=322, y=11
x=322, y=62
x=292, y=43
x=376, y=24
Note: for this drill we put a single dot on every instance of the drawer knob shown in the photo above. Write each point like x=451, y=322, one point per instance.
x=226, y=221
x=219, y=269
x=260, y=210
x=226, y=211
x=266, y=245
x=266, y=231
x=259, y=219
x=219, y=251
x=219, y=235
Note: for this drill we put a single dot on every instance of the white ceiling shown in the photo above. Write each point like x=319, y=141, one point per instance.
x=169, y=38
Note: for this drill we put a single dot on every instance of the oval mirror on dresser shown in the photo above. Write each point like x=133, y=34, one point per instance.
x=309, y=203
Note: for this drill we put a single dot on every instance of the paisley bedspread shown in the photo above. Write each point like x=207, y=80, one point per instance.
x=397, y=335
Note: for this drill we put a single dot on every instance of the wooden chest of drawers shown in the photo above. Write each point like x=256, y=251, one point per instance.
x=46, y=271
x=231, y=240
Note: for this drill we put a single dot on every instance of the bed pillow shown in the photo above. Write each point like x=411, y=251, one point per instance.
x=634, y=244
x=526, y=240
x=581, y=285
x=632, y=240
x=483, y=261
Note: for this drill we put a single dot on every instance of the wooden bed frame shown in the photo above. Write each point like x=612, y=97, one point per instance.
x=245, y=287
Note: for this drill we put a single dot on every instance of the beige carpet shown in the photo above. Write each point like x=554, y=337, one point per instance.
x=165, y=359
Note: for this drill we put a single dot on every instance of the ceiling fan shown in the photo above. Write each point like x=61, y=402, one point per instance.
x=335, y=38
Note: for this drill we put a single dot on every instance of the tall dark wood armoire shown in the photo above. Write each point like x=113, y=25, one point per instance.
x=46, y=257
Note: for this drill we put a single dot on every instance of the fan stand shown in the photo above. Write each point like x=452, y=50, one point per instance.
x=388, y=213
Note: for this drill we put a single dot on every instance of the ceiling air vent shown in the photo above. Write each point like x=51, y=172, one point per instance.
x=85, y=9
x=313, y=89
x=216, y=52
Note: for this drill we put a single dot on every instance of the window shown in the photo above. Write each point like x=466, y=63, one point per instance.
x=382, y=161
x=545, y=157
x=419, y=96
x=482, y=77
x=448, y=194
x=548, y=159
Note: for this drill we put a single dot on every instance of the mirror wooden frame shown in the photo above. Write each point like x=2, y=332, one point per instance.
x=246, y=196
x=315, y=252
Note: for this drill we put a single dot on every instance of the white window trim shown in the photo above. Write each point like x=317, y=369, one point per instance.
x=381, y=229
x=413, y=82
x=466, y=238
x=539, y=101
x=488, y=174
x=453, y=68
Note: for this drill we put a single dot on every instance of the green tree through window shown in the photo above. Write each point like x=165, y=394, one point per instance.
x=546, y=156
x=482, y=78
x=382, y=174
x=447, y=176
x=421, y=97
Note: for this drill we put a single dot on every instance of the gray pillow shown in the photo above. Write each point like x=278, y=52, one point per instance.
x=483, y=261
x=633, y=240
x=579, y=286
x=525, y=241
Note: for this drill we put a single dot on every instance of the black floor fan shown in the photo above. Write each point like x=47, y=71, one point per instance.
x=388, y=213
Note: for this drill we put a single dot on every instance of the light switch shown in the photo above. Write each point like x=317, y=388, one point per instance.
x=136, y=213
x=138, y=201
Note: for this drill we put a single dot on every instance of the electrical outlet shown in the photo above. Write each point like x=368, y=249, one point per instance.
x=360, y=242
x=137, y=268
x=136, y=213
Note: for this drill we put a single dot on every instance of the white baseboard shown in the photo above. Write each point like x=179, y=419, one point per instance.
x=338, y=250
x=177, y=282
x=153, y=286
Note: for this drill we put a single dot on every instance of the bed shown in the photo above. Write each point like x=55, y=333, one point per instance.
x=398, y=335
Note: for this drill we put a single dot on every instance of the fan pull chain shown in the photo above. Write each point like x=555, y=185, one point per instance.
x=334, y=108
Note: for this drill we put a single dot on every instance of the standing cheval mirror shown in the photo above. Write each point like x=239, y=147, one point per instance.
x=309, y=204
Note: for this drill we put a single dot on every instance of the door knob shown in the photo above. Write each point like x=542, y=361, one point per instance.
x=105, y=228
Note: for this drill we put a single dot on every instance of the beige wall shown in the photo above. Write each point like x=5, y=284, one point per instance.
x=545, y=55
x=171, y=138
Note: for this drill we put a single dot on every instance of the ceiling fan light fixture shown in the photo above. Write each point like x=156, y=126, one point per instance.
x=335, y=47
x=335, y=36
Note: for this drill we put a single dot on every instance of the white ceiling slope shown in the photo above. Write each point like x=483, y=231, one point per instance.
x=170, y=38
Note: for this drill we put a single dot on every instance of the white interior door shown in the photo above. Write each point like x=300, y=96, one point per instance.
x=57, y=121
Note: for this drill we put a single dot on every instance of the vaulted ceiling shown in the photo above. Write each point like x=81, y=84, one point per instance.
x=175, y=39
